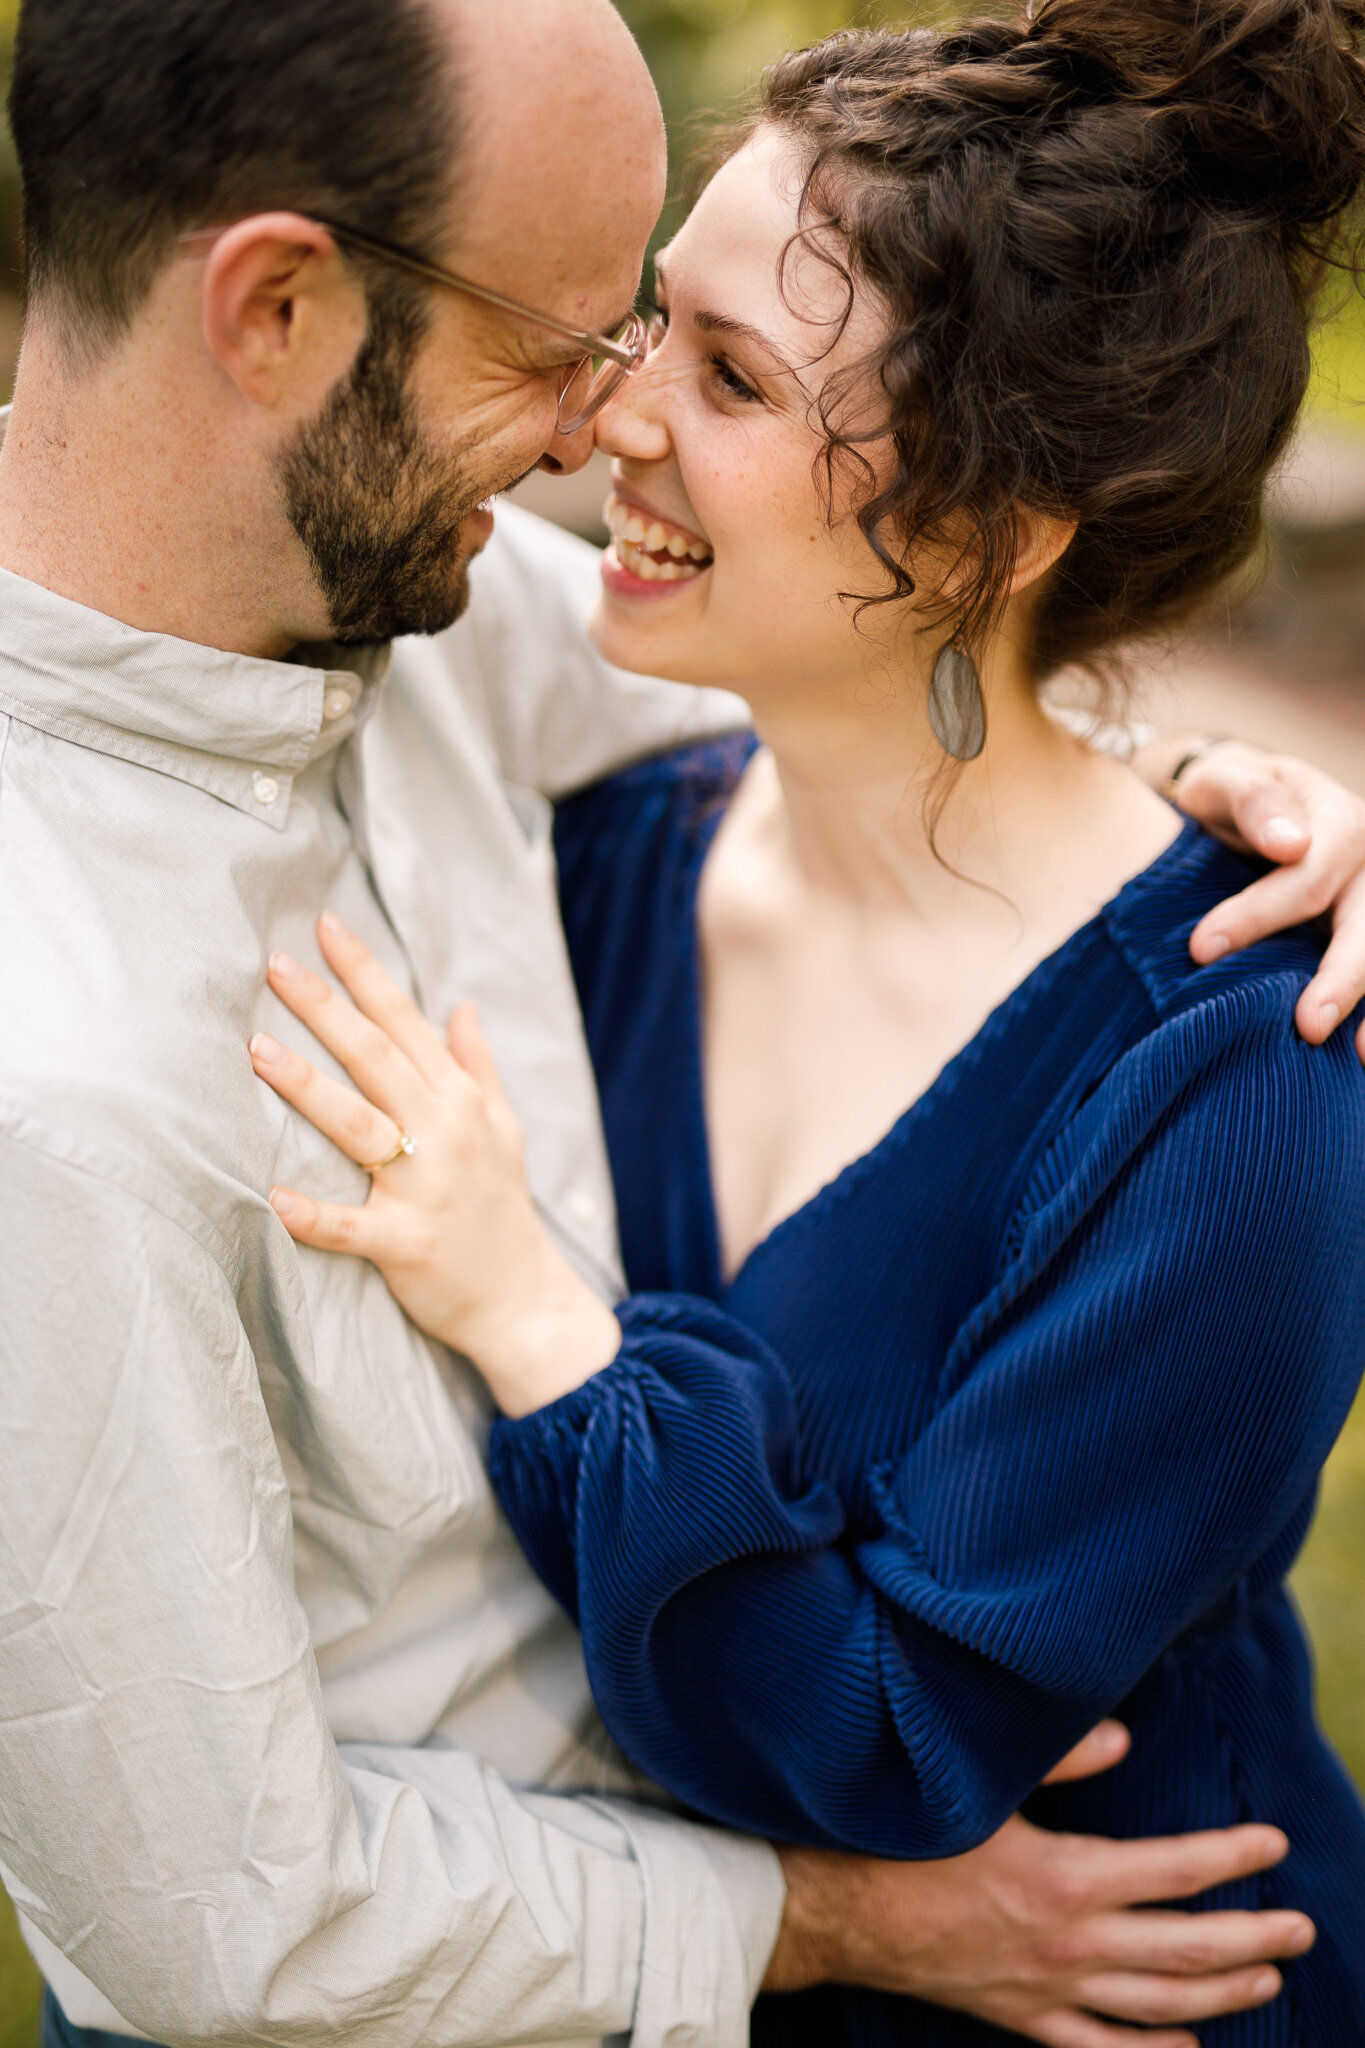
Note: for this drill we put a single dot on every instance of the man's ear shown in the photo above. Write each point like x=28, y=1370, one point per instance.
x=282, y=314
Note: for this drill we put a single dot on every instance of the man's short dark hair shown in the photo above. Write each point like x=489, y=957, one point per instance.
x=135, y=120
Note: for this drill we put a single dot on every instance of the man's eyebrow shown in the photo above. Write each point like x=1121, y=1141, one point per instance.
x=552, y=352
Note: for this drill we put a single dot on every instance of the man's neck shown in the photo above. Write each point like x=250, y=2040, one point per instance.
x=124, y=492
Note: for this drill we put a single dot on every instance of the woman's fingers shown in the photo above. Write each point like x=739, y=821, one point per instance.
x=1285, y=897
x=1269, y=817
x=1106, y=1745
x=1237, y=792
x=378, y=997
x=1298, y=816
x=379, y=1068
x=1339, y=983
x=1289, y=896
x=364, y=1133
x=472, y=1050
x=331, y=1226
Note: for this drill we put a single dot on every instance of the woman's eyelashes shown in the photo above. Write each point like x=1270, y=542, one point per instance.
x=728, y=377
x=725, y=375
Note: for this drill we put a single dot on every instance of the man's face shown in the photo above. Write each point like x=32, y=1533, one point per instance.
x=390, y=519
x=449, y=401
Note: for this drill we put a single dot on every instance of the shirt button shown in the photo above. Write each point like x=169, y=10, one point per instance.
x=266, y=788
x=337, y=703
x=580, y=1206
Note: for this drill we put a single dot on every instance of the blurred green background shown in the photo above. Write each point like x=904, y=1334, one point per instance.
x=703, y=53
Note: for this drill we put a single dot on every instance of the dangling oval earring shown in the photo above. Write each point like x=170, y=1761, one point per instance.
x=957, y=709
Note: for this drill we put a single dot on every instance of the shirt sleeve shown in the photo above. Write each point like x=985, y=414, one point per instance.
x=177, y=1819
x=559, y=716
x=1124, y=1425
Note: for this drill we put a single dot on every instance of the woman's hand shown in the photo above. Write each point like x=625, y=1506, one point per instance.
x=1312, y=828
x=451, y=1225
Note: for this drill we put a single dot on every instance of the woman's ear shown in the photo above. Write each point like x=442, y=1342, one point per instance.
x=1040, y=540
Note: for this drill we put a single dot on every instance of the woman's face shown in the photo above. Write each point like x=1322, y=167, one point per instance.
x=724, y=568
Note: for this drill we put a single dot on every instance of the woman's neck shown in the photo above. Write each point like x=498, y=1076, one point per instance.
x=840, y=938
x=859, y=803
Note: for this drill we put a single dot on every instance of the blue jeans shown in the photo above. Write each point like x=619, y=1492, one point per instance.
x=58, y=2031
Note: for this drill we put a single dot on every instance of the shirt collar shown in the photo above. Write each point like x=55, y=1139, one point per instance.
x=236, y=726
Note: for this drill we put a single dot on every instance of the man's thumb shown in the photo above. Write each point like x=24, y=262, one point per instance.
x=1107, y=1744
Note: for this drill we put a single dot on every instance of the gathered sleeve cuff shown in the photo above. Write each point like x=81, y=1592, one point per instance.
x=680, y=1453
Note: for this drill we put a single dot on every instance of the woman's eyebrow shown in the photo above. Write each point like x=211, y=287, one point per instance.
x=721, y=323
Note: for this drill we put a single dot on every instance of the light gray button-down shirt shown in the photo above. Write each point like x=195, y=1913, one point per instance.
x=273, y=1673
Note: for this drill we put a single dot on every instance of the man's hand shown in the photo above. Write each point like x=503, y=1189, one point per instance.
x=1052, y=1936
x=1312, y=828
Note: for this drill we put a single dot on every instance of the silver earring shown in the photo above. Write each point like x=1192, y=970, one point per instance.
x=957, y=709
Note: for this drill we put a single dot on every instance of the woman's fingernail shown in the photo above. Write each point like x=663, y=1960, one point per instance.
x=1215, y=945
x=330, y=922
x=1302, y=1938
x=267, y=1050
x=1266, y=1984
x=285, y=967
x=1282, y=832
x=1329, y=1016
x=281, y=1203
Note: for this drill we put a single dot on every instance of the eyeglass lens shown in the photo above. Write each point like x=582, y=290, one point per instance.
x=587, y=391
x=597, y=378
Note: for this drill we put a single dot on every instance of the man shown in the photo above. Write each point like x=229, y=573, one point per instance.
x=275, y=1679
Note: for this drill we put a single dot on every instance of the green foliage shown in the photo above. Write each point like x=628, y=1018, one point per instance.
x=706, y=55
x=20, y=1988
x=1338, y=387
x=1329, y=1583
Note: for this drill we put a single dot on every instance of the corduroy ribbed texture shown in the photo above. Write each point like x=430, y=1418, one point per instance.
x=1015, y=1424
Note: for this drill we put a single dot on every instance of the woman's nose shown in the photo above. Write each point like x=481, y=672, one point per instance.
x=631, y=424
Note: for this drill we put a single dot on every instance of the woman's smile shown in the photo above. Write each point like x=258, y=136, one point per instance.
x=647, y=548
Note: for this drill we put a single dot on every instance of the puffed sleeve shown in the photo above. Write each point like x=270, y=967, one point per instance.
x=1125, y=1423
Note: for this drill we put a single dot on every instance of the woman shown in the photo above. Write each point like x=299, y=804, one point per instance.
x=999, y=1272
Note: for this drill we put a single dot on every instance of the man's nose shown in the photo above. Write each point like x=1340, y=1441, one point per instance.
x=567, y=452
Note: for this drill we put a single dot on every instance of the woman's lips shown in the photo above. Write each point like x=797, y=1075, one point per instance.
x=650, y=549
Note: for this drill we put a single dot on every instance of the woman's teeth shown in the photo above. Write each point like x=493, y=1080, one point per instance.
x=653, y=549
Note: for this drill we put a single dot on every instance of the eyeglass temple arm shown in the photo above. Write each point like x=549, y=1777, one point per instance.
x=595, y=344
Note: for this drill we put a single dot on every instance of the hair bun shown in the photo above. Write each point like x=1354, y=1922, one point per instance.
x=1267, y=96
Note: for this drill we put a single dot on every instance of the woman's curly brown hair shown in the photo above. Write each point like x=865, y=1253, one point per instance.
x=1099, y=232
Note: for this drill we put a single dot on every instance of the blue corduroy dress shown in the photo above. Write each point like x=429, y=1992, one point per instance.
x=1015, y=1424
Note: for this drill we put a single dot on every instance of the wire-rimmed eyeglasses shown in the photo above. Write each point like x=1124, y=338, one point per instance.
x=588, y=384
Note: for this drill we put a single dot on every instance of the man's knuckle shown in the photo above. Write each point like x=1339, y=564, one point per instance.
x=1193, y=1955
x=1153, y=1999
x=1064, y=1950
x=1069, y=1890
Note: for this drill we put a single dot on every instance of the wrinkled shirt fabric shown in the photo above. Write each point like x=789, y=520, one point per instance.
x=293, y=1744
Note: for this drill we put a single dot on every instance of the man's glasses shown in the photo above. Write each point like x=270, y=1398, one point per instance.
x=588, y=384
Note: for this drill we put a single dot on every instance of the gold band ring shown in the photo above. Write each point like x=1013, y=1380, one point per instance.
x=1170, y=788
x=405, y=1146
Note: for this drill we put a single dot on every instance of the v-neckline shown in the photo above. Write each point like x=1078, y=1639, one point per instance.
x=949, y=1077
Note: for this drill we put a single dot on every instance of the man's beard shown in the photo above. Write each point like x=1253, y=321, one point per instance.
x=378, y=511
